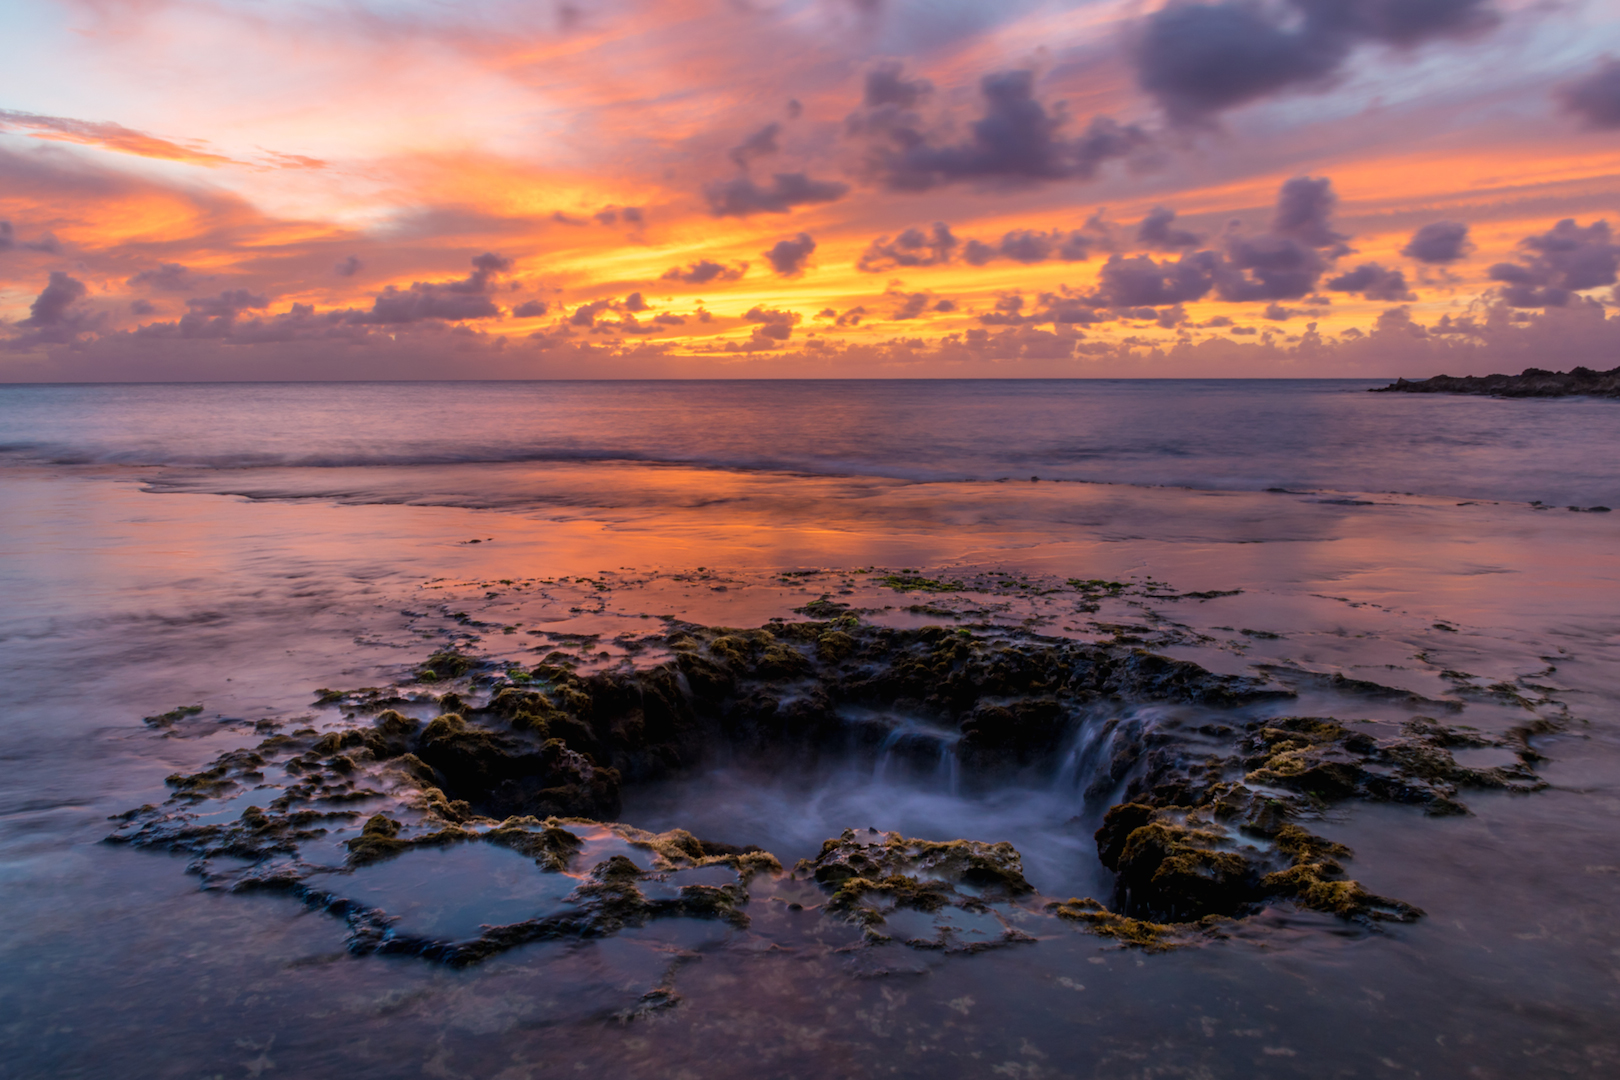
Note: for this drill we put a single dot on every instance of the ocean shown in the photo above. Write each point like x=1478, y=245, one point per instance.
x=1224, y=435
x=189, y=568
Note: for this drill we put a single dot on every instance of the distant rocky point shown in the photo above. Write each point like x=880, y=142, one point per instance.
x=1534, y=382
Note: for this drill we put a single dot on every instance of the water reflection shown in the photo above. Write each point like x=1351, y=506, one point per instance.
x=124, y=603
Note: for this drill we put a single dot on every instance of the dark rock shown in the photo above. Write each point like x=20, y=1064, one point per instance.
x=874, y=855
x=499, y=775
x=1117, y=826
x=1532, y=382
x=872, y=875
x=1177, y=858
x=1209, y=827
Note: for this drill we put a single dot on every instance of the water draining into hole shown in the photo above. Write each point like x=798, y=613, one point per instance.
x=911, y=781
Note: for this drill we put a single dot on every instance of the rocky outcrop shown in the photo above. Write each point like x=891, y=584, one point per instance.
x=873, y=876
x=1220, y=837
x=784, y=689
x=1532, y=382
x=1210, y=823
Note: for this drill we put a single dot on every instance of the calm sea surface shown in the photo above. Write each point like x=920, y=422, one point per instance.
x=239, y=546
x=1228, y=435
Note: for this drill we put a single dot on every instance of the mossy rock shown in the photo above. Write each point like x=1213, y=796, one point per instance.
x=1097, y=919
x=445, y=664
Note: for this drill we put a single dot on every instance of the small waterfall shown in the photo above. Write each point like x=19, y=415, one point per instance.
x=947, y=775
x=917, y=755
x=1102, y=754
x=880, y=772
x=1081, y=753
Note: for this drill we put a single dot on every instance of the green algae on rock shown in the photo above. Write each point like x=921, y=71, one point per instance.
x=1097, y=919
x=1204, y=831
x=1217, y=838
x=873, y=876
x=873, y=855
x=908, y=582
x=170, y=718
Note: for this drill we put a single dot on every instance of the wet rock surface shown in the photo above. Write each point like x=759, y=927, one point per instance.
x=1532, y=382
x=1220, y=838
x=881, y=878
x=1201, y=823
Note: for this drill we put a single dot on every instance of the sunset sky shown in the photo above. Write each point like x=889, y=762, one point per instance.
x=222, y=189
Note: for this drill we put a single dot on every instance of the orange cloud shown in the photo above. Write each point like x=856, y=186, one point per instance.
x=594, y=152
x=108, y=136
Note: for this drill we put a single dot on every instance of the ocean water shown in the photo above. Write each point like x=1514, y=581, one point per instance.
x=1244, y=435
x=239, y=546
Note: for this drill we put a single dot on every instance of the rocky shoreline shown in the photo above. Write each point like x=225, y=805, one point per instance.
x=1205, y=823
x=1532, y=382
